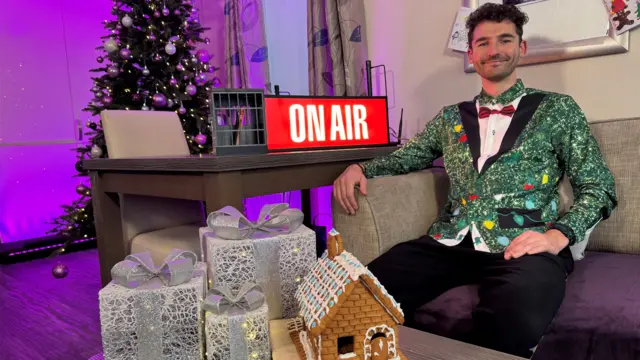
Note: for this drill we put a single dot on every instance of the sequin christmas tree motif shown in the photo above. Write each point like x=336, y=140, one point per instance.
x=344, y=311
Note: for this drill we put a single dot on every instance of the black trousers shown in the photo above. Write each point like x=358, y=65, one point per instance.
x=518, y=297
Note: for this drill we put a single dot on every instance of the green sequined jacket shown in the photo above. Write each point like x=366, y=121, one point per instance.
x=517, y=188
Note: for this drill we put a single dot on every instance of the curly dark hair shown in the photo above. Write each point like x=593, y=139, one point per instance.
x=496, y=13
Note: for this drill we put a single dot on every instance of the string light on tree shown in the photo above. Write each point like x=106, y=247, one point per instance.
x=148, y=59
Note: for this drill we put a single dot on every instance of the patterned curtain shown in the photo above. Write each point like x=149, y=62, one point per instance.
x=237, y=42
x=246, y=50
x=336, y=31
x=337, y=50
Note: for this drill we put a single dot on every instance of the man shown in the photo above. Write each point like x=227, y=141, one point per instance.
x=505, y=153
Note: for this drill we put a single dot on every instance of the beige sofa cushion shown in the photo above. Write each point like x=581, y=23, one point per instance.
x=160, y=242
x=620, y=143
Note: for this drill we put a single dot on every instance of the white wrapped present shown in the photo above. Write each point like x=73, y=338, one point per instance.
x=149, y=312
x=275, y=253
x=237, y=326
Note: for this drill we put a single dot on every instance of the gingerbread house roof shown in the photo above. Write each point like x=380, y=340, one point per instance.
x=327, y=284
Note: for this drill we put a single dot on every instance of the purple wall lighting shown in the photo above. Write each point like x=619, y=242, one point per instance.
x=45, y=84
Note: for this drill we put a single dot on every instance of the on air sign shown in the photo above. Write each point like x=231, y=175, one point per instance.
x=304, y=122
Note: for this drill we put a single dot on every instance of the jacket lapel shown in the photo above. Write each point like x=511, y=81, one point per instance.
x=469, y=118
x=526, y=108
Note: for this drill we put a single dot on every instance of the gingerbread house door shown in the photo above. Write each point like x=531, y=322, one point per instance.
x=380, y=348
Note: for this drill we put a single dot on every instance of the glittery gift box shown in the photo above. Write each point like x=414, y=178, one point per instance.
x=277, y=263
x=238, y=336
x=153, y=320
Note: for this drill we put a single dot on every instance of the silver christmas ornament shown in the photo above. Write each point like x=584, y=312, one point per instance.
x=145, y=72
x=127, y=21
x=170, y=49
x=96, y=152
x=110, y=45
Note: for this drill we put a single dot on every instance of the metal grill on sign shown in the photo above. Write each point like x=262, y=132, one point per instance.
x=237, y=122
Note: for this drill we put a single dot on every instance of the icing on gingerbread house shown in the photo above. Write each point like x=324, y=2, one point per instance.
x=345, y=313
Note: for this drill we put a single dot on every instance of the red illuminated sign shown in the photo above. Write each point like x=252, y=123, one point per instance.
x=305, y=122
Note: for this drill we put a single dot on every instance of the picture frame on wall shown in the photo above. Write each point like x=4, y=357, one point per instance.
x=561, y=30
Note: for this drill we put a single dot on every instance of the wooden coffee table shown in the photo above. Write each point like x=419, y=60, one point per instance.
x=418, y=345
x=415, y=345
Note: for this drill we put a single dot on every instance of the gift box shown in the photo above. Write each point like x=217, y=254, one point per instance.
x=150, y=312
x=276, y=253
x=237, y=326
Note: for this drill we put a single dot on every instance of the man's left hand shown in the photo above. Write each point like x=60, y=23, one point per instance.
x=531, y=242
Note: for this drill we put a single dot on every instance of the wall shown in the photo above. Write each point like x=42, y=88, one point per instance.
x=411, y=40
x=48, y=48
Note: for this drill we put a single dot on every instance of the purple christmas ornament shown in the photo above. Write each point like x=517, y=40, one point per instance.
x=125, y=53
x=191, y=89
x=165, y=12
x=206, y=40
x=179, y=67
x=60, y=271
x=182, y=110
x=201, y=79
x=201, y=139
x=107, y=100
x=152, y=37
x=173, y=81
x=113, y=71
x=177, y=12
x=156, y=13
x=202, y=55
x=159, y=100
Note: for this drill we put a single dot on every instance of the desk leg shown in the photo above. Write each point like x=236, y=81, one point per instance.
x=305, y=204
x=223, y=189
x=109, y=233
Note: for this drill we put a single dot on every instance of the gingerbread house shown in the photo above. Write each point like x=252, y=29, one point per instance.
x=344, y=312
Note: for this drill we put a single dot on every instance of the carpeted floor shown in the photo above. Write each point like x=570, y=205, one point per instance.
x=44, y=318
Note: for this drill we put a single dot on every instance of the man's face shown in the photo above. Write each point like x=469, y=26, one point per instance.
x=495, y=50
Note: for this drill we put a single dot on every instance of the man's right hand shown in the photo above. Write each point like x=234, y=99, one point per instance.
x=344, y=188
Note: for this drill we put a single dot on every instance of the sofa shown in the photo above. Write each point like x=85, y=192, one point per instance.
x=600, y=316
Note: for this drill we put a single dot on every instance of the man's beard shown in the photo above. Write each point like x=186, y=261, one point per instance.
x=509, y=66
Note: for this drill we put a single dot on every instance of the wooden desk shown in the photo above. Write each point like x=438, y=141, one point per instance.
x=218, y=181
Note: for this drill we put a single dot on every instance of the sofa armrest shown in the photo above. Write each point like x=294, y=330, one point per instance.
x=396, y=209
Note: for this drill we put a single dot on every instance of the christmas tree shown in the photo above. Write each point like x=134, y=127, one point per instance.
x=148, y=61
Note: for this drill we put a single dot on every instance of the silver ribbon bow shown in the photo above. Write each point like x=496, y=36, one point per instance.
x=137, y=269
x=229, y=223
x=220, y=299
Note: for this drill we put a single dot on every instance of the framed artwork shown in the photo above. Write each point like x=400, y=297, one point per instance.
x=560, y=30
